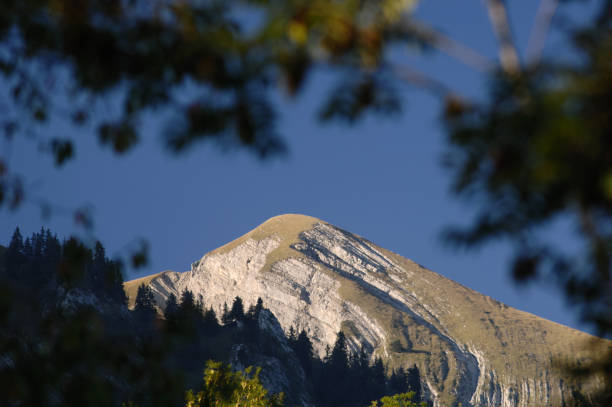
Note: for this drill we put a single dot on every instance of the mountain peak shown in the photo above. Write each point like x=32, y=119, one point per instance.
x=314, y=276
x=291, y=218
x=288, y=225
x=285, y=229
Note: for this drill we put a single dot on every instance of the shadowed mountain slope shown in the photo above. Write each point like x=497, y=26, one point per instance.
x=470, y=348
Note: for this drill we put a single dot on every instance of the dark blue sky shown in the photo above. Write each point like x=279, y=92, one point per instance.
x=380, y=178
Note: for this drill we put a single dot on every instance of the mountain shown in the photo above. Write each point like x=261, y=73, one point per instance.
x=470, y=348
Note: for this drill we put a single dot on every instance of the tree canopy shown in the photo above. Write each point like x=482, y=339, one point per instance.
x=398, y=400
x=227, y=54
x=224, y=387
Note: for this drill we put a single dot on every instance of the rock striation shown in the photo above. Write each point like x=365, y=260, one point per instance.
x=470, y=348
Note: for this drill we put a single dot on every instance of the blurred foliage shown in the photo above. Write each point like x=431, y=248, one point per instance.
x=67, y=338
x=539, y=151
x=212, y=64
x=352, y=98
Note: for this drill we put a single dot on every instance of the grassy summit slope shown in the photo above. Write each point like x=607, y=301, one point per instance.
x=512, y=341
x=286, y=227
x=131, y=287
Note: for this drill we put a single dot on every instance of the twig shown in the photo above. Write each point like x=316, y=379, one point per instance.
x=508, y=56
x=449, y=45
x=540, y=29
x=420, y=79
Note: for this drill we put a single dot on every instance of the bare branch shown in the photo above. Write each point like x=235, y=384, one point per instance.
x=450, y=46
x=423, y=81
x=540, y=29
x=508, y=56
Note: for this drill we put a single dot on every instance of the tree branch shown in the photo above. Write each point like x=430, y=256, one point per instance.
x=539, y=31
x=508, y=56
x=434, y=86
x=450, y=46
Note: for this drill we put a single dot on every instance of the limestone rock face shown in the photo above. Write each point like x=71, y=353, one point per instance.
x=469, y=348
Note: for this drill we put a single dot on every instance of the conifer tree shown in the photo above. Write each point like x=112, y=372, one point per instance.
x=187, y=305
x=414, y=382
x=237, y=312
x=338, y=360
x=255, y=310
x=291, y=337
x=145, y=303
x=361, y=389
x=361, y=360
x=28, y=250
x=53, y=253
x=99, y=253
x=114, y=277
x=14, y=257
x=199, y=305
x=333, y=382
x=225, y=316
x=398, y=382
x=39, y=244
x=250, y=314
x=37, y=265
x=210, y=322
x=144, y=298
x=258, y=307
x=96, y=273
x=377, y=376
x=28, y=255
x=74, y=262
x=171, y=310
x=189, y=315
x=99, y=264
x=303, y=351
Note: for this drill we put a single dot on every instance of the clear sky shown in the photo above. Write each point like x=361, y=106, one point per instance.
x=381, y=179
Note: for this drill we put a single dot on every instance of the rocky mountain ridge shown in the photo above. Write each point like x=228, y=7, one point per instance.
x=312, y=275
